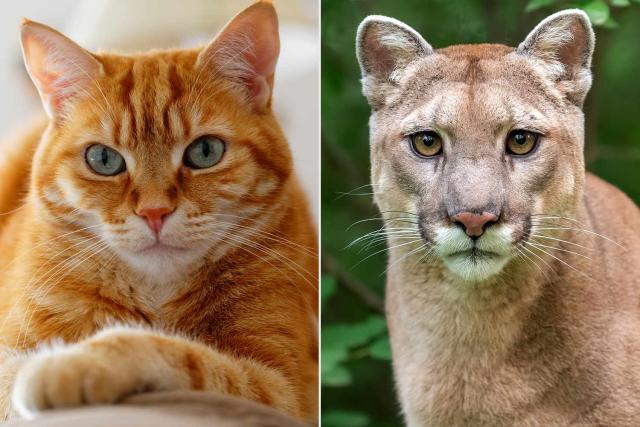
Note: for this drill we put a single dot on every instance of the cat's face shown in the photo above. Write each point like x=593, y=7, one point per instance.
x=478, y=147
x=161, y=155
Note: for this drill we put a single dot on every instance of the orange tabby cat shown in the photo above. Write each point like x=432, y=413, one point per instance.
x=161, y=195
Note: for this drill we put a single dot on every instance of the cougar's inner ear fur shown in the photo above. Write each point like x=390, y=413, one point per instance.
x=564, y=43
x=384, y=47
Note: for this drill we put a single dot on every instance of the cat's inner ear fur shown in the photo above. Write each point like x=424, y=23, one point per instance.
x=60, y=69
x=246, y=51
x=564, y=43
x=385, y=47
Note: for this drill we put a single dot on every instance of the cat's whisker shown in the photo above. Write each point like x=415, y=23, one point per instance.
x=50, y=241
x=257, y=255
x=36, y=275
x=60, y=265
x=13, y=210
x=52, y=272
x=270, y=251
x=59, y=276
x=271, y=236
x=292, y=245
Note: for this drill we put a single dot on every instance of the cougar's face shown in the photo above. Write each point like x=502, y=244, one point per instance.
x=478, y=152
x=476, y=148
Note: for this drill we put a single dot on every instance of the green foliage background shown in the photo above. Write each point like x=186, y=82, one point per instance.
x=357, y=385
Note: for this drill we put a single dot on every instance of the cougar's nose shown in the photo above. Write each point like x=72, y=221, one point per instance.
x=474, y=224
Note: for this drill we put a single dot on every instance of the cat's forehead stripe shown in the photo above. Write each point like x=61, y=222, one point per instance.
x=149, y=93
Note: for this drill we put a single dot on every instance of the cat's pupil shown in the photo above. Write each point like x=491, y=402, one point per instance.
x=206, y=149
x=428, y=141
x=104, y=157
x=520, y=138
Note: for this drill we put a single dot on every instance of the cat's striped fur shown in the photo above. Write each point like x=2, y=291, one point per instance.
x=229, y=303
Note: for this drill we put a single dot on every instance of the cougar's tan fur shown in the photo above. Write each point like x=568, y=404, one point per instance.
x=544, y=331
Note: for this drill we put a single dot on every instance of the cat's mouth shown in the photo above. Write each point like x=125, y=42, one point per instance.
x=163, y=261
x=160, y=247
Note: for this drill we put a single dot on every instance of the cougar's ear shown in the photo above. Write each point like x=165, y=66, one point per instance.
x=385, y=46
x=564, y=42
x=246, y=51
x=60, y=69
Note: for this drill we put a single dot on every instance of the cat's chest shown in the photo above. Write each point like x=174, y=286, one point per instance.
x=107, y=296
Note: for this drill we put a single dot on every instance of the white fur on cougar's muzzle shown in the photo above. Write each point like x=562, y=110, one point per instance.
x=471, y=260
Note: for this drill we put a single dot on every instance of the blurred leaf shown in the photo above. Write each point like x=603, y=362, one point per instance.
x=327, y=289
x=344, y=419
x=339, y=376
x=381, y=349
x=332, y=355
x=610, y=24
x=353, y=334
x=620, y=3
x=537, y=4
x=597, y=10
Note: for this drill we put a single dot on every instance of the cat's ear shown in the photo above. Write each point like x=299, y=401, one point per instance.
x=246, y=50
x=564, y=43
x=60, y=69
x=385, y=46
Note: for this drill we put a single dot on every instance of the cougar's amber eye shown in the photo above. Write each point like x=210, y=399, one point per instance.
x=521, y=142
x=426, y=144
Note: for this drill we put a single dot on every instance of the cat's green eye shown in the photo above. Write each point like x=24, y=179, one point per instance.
x=426, y=144
x=521, y=142
x=204, y=152
x=104, y=160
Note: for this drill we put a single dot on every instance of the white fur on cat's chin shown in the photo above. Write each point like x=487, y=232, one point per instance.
x=164, y=264
x=497, y=240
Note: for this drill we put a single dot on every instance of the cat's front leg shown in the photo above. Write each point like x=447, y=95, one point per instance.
x=10, y=363
x=120, y=362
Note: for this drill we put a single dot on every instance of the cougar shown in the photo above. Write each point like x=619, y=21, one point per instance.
x=513, y=292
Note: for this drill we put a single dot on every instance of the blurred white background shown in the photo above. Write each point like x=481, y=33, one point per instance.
x=125, y=25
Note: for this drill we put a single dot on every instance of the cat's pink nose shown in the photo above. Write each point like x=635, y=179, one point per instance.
x=474, y=224
x=155, y=216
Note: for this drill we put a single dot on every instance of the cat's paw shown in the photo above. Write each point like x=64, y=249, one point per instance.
x=95, y=372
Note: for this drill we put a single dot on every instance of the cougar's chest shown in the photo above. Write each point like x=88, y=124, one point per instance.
x=455, y=367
